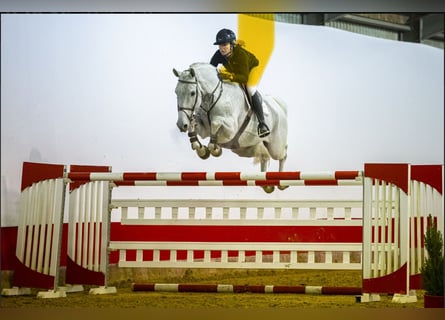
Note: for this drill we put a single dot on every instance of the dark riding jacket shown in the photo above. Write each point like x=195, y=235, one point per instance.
x=239, y=63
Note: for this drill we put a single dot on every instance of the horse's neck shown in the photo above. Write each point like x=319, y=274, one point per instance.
x=232, y=101
x=219, y=94
x=235, y=92
x=208, y=82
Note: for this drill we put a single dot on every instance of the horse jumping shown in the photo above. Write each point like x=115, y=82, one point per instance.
x=209, y=107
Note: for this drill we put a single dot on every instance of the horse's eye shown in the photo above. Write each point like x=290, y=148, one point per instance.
x=192, y=93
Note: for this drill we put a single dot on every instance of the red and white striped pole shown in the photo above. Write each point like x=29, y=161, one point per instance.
x=295, y=178
x=228, y=288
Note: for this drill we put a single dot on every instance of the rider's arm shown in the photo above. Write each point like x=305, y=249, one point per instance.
x=239, y=66
x=217, y=58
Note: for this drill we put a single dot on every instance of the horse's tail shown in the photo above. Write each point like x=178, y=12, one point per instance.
x=261, y=154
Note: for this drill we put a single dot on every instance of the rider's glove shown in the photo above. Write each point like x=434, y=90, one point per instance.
x=224, y=75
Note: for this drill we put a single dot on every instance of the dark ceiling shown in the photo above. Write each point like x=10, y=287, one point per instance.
x=414, y=27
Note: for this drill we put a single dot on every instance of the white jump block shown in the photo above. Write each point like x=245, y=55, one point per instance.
x=51, y=294
x=70, y=288
x=103, y=290
x=16, y=291
x=368, y=297
x=405, y=298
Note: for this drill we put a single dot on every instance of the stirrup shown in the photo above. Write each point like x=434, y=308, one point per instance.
x=263, y=130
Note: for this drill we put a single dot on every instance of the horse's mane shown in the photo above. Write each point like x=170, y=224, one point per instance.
x=199, y=65
x=206, y=73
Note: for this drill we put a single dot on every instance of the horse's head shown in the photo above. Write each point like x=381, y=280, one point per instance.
x=188, y=97
x=195, y=84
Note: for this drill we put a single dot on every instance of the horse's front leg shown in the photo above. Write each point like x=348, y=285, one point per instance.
x=214, y=148
x=201, y=150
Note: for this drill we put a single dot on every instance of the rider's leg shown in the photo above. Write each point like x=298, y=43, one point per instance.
x=257, y=106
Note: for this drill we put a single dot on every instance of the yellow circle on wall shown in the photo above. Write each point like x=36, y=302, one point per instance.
x=258, y=35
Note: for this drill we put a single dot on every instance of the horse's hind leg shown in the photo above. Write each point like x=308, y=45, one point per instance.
x=267, y=189
x=278, y=152
x=264, y=163
x=281, y=168
x=281, y=163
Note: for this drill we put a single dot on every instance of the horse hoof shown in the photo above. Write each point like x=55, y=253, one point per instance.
x=204, y=155
x=216, y=152
x=215, y=149
x=283, y=187
x=268, y=189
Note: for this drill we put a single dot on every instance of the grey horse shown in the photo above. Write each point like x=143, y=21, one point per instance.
x=209, y=107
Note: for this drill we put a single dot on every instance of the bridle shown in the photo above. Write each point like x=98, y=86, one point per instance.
x=208, y=102
x=198, y=90
x=191, y=109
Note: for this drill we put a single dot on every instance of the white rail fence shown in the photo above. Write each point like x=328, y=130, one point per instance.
x=383, y=235
x=216, y=212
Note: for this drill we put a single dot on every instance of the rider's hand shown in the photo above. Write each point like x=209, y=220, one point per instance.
x=220, y=67
x=224, y=75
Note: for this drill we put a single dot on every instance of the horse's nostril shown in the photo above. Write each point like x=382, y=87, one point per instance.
x=185, y=127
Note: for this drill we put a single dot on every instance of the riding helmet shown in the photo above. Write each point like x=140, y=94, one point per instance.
x=225, y=36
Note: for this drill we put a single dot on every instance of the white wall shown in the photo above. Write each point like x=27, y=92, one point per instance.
x=98, y=89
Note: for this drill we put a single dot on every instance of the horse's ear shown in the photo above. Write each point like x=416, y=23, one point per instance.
x=175, y=72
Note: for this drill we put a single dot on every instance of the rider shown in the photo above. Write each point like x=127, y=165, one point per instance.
x=238, y=66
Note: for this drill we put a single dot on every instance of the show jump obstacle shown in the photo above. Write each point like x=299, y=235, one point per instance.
x=397, y=199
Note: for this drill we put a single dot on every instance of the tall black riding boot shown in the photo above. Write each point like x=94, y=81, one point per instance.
x=257, y=105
